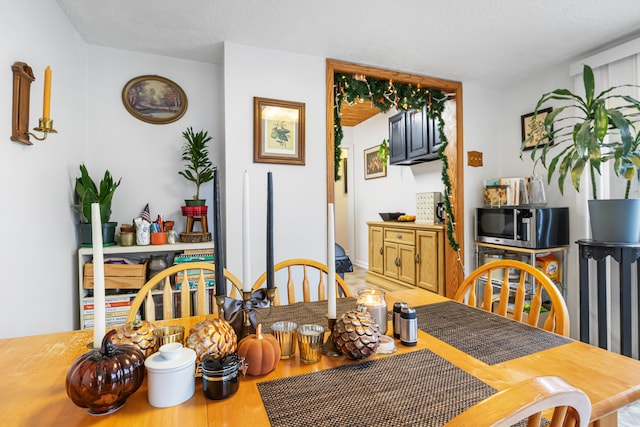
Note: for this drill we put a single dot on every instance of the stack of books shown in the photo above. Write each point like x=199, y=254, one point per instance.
x=116, y=310
x=195, y=255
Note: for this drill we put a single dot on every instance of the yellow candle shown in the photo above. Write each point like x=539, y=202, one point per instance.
x=46, y=105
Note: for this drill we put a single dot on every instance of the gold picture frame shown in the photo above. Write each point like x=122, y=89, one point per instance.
x=278, y=131
x=154, y=99
x=373, y=167
x=534, y=124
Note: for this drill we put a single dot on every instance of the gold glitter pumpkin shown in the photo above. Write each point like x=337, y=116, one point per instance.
x=356, y=334
x=213, y=336
x=140, y=334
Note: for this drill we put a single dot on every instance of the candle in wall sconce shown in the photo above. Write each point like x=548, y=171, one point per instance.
x=246, y=250
x=331, y=263
x=98, y=277
x=270, y=258
x=46, y=103
x=218, y=251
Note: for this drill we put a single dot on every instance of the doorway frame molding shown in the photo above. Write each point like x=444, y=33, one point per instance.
x=453, y=266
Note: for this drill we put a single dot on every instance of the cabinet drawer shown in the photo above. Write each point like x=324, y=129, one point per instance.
x=399, y=235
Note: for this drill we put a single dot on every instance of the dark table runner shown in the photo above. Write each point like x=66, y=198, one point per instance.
x=411, y=389
x=483, y=335
x=302, y=312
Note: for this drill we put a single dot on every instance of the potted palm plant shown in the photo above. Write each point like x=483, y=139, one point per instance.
x=198, y=168
x=585, y=133
x=88, y=193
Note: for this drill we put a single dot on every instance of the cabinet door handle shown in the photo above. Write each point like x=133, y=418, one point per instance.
x=417, y=258
x=397, y=262
x=398, y=236
x=381, y=250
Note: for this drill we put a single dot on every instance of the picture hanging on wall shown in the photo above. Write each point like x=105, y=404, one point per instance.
x=373, y=167
x=278, y=131
x=154, y=99
x=533, y=125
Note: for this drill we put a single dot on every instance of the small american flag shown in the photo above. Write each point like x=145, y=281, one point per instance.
x=145, y=214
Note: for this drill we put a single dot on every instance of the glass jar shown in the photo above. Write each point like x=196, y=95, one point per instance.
x=376, y=305
x=156, y=265
x=220, y=376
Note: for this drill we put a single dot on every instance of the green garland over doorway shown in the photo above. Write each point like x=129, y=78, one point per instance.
x=385, y=95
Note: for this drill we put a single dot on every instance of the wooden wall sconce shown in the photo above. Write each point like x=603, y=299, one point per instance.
x=22, y=79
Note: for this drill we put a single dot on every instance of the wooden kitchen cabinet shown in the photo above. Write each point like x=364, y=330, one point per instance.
x=376, y=249
x=406, y=255
x=414, y=137
x=430, y=270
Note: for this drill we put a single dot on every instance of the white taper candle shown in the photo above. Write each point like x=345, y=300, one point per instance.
x=246, y=252
x=331, y=262
x=98, y=277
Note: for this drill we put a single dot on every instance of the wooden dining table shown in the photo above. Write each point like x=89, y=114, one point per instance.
x=33, y=371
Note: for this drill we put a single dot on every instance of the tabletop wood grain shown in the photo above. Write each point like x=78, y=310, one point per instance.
x=33, y=371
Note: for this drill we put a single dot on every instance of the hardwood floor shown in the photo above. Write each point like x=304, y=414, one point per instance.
x=357, y=280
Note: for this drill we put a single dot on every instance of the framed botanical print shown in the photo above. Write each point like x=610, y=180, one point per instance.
x=278, y=131
x=533, y=125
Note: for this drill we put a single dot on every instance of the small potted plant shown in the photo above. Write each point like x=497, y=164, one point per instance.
x=198, y=168
x=586, y=133
x=88, y=193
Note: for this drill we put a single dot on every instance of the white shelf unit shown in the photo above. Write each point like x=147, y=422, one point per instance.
x=85, y=254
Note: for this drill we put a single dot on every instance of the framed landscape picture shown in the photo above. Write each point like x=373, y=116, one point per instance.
x=154, y=99
x=278, y=131
x=373, y=167
x=533, y=124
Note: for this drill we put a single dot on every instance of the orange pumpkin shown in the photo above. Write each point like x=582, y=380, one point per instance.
x=261, y=352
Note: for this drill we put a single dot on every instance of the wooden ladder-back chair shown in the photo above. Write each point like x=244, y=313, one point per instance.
x=568, y=406
x=496, y=273
x=306, y=264
x=181, y=273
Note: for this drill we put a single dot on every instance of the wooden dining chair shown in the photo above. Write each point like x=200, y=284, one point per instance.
x=183, y=276
x=520, y=295
x=299, y=273
x=563, y=405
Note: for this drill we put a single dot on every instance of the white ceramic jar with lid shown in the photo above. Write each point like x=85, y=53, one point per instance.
x=171, y=375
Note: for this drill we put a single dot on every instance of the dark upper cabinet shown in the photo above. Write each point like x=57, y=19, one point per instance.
x=397, y=138
x=413, y=138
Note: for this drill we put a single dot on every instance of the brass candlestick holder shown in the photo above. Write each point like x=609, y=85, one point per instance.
x=329, y=347
x=246, y=325
x=45, y=126
x=220, y=303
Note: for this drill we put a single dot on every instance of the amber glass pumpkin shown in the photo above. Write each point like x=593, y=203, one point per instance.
x=261, y=352
x=102, y=379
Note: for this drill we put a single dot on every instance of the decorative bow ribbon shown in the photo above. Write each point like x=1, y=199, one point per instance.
x=233, y=309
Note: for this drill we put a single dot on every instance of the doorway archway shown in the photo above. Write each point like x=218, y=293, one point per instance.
x=453, y=130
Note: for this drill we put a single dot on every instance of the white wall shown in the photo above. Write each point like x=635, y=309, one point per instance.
x=300, y=208
x=38, y=246
x=145, y=155
x=95, y=129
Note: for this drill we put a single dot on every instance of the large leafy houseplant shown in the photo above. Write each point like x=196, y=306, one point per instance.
x=198, y=168
x=88, y=193
x=587, y=133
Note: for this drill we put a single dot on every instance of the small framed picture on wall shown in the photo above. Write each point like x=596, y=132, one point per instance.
x=373, y=167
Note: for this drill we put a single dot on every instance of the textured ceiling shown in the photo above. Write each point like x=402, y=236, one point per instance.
x=486, y=42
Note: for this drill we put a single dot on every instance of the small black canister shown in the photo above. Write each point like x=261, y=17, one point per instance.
x=220, y=376
x=397, y=309
x=408, y=326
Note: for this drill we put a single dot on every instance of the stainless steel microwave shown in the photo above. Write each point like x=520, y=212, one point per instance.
x=533, y=228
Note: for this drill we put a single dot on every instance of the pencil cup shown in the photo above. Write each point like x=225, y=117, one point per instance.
x=310, y=339
x=285, y=334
